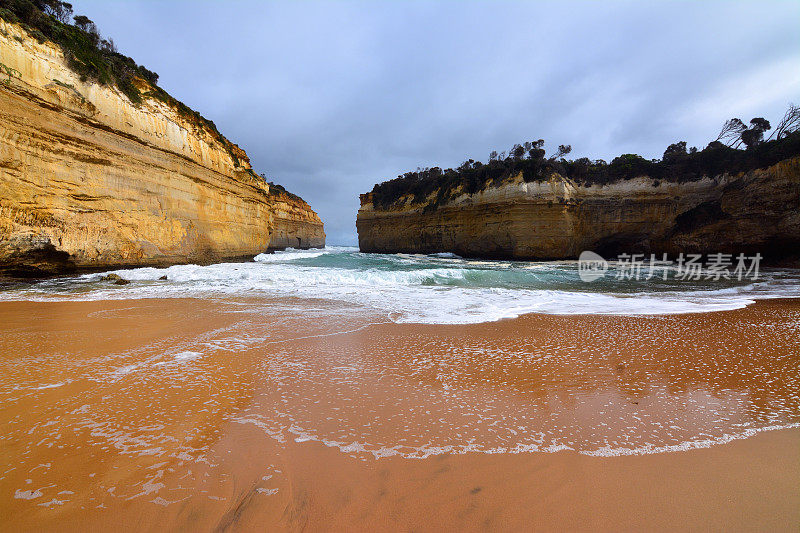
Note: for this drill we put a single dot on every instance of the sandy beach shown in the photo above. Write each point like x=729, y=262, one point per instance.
x=251, y=414
x=399, y=266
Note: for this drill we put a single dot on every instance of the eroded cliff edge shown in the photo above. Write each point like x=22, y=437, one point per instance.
x=558, y=218
x=90, y=179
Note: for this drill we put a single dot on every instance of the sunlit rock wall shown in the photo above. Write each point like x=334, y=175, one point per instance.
x=88, y=179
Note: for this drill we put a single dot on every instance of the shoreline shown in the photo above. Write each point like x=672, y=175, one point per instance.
x=34, y=275
x=748, y=484
x=193, y=414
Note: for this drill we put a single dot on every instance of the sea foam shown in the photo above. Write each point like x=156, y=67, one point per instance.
x=435, y=289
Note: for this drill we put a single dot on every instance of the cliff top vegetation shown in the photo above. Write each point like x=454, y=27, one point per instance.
x=738, y=148
x=87, y=53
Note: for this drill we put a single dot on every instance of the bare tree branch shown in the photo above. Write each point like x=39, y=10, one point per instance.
x=731, y=132
x=788, y=124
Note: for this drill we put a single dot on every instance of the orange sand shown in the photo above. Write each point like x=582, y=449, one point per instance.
x=101, y=430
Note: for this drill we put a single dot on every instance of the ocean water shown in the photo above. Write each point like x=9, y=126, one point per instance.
x=298, y=347
x=432, y=289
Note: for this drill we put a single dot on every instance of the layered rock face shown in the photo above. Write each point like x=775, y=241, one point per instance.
x=88, y=179
x=757, y=211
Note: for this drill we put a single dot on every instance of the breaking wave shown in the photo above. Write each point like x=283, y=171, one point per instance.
x=437, y=289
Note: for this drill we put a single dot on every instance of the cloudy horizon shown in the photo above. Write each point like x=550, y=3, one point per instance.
x=329, y=98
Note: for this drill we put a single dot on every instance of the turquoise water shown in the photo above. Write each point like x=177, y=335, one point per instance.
x=439, y=288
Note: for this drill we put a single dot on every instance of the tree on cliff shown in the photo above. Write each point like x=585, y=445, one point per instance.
x=435, y=186
x=85, y=23
x=536, y=151
x=86, y=53
x=563, y=149
x=61, y=11
x=755, y=133
x=735, y=133
x=731, y=132
x=675, y=152
x=788, y=124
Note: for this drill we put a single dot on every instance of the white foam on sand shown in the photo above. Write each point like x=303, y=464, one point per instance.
x=187, y=356
x=27, y=494
x=429, y=450
x=415, y=289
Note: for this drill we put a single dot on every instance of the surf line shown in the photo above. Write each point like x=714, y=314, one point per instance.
x=365, y=326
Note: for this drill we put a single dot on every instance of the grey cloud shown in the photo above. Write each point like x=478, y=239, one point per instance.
x=330, y=97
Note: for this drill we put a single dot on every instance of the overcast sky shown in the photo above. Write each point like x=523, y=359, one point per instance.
x=329, y=98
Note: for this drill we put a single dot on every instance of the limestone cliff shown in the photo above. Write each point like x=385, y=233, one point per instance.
x=755, y=211
x=90, y=179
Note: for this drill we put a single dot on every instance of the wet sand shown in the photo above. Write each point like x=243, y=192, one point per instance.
x=249, y=415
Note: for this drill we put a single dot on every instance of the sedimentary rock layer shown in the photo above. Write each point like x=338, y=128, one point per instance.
x=88, y=179
x=757, y=211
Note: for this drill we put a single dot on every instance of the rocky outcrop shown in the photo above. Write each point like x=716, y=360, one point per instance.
x=89, y=179
x=294, y=225
x=756, y=211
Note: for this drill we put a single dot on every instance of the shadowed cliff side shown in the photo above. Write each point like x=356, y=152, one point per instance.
x=90, y=179
x=739, y=194
x=557, y=218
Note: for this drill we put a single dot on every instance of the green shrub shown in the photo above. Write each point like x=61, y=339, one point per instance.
x=10, y=72
x=8, y=15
